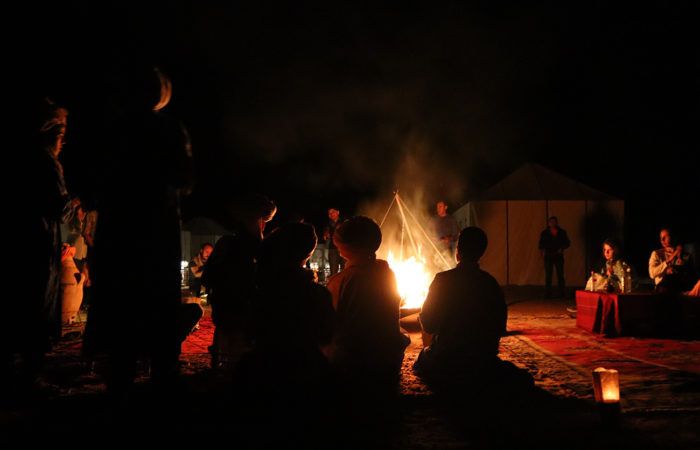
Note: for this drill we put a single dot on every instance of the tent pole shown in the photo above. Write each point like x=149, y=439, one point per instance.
x=399, y=203
x=507, y=247
x=396, y=193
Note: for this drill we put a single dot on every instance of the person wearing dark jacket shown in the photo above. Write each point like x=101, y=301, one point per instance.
x=292, y=319
x=465, y=316
x=553, y=242
x=34, y=317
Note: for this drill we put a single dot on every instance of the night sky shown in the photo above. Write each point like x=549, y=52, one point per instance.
x=340, y=104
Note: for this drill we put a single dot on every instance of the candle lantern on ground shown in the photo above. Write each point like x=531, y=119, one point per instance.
x=606, y=389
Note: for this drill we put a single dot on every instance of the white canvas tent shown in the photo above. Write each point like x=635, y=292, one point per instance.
x=514, y=212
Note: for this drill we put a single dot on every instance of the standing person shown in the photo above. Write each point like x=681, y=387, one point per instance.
x=334, y=260
x=34, y=319
x=197, y=268
x=229, y=277
x=145, y=165
x=553, y=242
x=671, y=268
x=369, y=345
x=445, y=230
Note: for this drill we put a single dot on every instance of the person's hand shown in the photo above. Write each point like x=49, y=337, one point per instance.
x=676, y=254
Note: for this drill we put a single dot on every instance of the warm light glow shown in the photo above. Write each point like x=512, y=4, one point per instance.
x=606, y=385
x=412, y=280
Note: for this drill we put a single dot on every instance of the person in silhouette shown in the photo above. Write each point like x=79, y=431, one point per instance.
x=553, y=242
x=465, y=313
x=34, y=318
x=144, y=168
x=229, y=277
x=293, y=320
x=368, y=346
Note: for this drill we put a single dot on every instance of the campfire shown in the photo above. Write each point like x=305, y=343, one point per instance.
x=413, y=273
x=412, y=279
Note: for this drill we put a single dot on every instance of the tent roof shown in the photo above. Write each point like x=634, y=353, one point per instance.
x=535, y=182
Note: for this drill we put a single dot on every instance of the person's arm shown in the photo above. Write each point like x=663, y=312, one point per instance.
x=565, y=242
x=195, y=268
x=657, y=267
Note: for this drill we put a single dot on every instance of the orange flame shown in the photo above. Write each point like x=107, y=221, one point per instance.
x=412, y=278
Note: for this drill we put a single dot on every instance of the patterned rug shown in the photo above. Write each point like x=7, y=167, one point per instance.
x=671, y=366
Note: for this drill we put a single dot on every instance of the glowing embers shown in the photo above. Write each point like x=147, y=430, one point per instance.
x=412, y=279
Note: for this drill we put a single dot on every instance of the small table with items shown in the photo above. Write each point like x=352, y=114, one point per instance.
x=613, y=314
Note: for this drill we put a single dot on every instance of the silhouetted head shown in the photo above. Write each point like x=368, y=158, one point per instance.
x=141, y=87
x=252, y=211
x=359, y=235
x=472, y=244
x=291, y=243
x=553, y=222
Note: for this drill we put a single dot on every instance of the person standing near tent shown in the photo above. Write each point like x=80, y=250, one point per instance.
x=445, y=230
x=553, y=242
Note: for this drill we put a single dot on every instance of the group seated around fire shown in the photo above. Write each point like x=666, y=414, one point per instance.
x=466, y=313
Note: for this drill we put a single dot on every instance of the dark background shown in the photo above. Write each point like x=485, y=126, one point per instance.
x=337, y=105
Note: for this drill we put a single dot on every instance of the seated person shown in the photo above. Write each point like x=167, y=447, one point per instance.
x=670, y=267
x=197, y=268
x=369, y=344
x=466, y=313
x=614, y=274
x=293, y=317
x=229, y=276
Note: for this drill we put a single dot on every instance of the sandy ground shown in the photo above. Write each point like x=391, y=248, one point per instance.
x=558, y=413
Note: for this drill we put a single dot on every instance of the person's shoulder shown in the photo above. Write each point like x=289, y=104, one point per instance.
x=488, y=278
